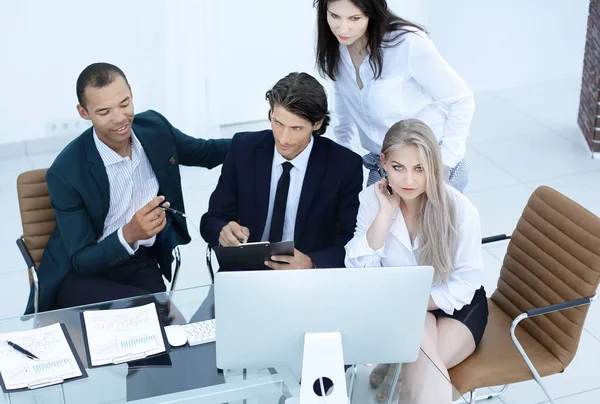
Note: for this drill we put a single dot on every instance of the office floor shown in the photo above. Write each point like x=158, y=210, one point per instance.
x=520, y=138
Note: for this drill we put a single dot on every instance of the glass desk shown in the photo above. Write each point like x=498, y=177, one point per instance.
x=186, y=374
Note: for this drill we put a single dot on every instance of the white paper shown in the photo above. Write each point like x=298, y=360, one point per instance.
x=121, y=335
x=56, y=360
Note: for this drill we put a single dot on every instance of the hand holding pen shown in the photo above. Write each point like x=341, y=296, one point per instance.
x=164, y=206
x=21, y=350
x=146, y=222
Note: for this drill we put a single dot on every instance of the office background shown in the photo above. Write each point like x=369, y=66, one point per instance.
x=207, y=64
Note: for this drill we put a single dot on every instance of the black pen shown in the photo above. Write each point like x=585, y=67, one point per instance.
x=175, y=212
x=21, y=350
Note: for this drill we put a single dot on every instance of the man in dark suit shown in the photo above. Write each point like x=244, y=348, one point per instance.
x=111, y=238
x=288, y=183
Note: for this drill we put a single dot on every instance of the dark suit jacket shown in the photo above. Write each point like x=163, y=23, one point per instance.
x=328, y=203
x=80, y=196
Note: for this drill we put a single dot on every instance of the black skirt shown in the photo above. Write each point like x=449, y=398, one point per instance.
x=473, y=315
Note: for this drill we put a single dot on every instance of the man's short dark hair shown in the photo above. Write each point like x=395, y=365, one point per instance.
x=97, y=75
x=302, y=95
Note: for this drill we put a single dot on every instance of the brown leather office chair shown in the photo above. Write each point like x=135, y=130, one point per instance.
x=38, y=220
x=550, y=274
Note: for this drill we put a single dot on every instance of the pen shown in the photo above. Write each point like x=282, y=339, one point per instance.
x=176, y=212
x=21, y=350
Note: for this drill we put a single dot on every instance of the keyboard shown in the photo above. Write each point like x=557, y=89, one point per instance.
x=201, y=332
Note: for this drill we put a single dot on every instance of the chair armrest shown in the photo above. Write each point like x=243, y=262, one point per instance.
x=25, y=253
x=536, y=312
x=177, y=255
x=32, y=271
x=209, y=263
x=493, y=239
x=560, y=306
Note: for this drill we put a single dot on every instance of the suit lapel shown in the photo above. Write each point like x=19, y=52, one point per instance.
x=264, y=166
x=98, y=172
x=160, y=156
x=314, y=174
x=153, y=152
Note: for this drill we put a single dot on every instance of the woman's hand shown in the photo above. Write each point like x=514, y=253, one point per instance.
x=388, y=203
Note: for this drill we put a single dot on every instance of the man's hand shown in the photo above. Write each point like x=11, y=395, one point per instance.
x=296, y=261
x=146, y=222
x=233, y=234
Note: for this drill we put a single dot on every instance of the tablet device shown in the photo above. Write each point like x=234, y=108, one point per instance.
x=250, y=256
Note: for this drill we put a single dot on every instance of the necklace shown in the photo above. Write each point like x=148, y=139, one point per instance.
x=362, y=51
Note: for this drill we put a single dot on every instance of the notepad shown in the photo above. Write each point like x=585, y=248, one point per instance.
x=57, y=361
x=123, y=335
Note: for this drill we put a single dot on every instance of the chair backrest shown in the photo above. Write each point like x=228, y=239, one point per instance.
x=553, y=257
x=37, y=216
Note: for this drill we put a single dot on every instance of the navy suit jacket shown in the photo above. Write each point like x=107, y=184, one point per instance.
x=328, y=202
x=80, y=197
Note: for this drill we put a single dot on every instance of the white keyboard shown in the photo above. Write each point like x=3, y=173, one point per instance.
x=201, y=332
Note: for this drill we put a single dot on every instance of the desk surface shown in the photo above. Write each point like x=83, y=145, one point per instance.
x=186, y=374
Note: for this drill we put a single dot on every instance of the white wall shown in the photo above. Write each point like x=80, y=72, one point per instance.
x=45, y=45
x=259, y=44
x=498, y=44
x=206, y=62
x=254, y=47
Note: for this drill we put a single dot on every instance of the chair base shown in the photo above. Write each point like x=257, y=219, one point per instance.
x=474, y=398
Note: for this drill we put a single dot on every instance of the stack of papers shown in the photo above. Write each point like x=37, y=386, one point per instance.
x=123, y=335
x=57, y=360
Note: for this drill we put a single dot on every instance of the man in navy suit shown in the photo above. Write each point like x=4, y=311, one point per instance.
x=288, y=183
x=111, y=238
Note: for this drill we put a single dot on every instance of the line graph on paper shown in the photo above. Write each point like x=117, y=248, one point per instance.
x=56, y=359
x=119, y=321
x=115, y=335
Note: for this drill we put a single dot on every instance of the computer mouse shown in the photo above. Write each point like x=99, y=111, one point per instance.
x=176, y=335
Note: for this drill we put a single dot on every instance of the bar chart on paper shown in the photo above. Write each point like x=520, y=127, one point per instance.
x=121, y=335
x=51, y=368
x=138, y=344
x=56, y=363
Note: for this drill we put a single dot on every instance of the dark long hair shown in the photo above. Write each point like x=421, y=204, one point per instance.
x=381, y=22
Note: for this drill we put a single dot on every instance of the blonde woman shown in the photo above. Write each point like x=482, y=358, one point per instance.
x=424, y=221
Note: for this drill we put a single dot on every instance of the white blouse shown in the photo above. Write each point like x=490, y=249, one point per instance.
x=397, y=250
x=416, y=82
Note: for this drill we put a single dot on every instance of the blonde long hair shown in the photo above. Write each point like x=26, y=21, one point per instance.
x=436, y=231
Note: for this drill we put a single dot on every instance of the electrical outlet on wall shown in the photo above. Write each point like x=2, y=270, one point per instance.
x=66, y=127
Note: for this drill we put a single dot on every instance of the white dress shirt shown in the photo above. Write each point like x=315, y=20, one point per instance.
x=467, y=275
x=132, y=185
x=415, y=82
x=297, y=173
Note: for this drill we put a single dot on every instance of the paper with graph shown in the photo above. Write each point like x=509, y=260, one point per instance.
x=57, y=361
x=123, y=335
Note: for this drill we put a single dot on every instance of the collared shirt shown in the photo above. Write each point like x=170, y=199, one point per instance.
x=132, y=185
x=415, y=82
x=467, y=274
x=297, y=173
